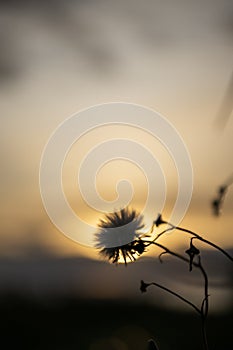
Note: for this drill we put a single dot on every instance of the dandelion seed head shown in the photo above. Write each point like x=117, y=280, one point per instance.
x=119, y=234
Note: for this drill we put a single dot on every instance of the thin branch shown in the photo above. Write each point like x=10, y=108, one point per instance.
x=205, y=303
x=206, y=299
x=160, y=256
x=164, y=231
x=197, y=265
x=217, y=202
x=177, y=295
x=196, y=236
x=206, y=241
x=170, y=252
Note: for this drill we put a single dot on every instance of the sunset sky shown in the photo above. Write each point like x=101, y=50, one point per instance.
x=174, y=57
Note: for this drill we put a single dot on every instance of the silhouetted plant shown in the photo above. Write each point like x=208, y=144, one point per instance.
x=129, y=222
x=217, y=202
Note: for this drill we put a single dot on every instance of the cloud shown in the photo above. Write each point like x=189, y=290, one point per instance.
x=45, y=275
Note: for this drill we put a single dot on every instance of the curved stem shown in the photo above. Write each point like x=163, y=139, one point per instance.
x=205, y=304
x=164, y=231
x=170, y=252
x=204, y=336
x=206, y=241
x=206, y=283
x=177, y=295
x=198, y=265
x=196, y=236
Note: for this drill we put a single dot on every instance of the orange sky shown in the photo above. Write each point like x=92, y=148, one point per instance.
x=180, y=67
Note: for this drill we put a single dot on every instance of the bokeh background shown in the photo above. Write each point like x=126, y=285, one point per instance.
x=57, y=58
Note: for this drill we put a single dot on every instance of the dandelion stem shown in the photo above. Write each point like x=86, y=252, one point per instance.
x=196, y=236
x=205, y=307
x=199, y=265
x=168, y=251
x=205, y=304
x=204, y=336
x=177, y=295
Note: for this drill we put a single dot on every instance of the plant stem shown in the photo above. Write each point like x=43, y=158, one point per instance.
x=205, y=307
x=205, y=304
x=204, y=336
x=168, y=251
x=196, y=236
x=177, y=295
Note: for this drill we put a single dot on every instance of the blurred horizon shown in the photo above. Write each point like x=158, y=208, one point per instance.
x=41, y=276
x=60, y=57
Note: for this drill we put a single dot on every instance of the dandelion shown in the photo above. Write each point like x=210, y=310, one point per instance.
x=120, y=239
x=119, y=236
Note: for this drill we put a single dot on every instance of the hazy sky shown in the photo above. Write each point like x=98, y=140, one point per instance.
x=59, y=57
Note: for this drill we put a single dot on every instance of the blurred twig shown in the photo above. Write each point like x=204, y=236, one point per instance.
x=217, y=202
x=226, y=107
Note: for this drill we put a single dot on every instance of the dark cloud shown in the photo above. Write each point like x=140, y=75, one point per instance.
x=45, y=274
